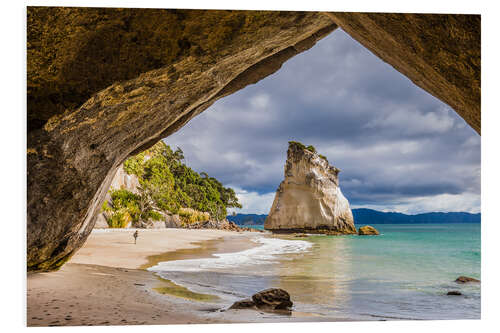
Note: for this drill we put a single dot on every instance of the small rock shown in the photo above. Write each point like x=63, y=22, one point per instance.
x=367, y=230
x=243, y=304
x=274, y=298
x=454, y=293
x=465, y=279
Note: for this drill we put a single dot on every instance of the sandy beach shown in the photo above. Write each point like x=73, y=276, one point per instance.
x=106, y=282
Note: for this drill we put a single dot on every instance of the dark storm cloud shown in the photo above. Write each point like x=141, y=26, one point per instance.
x=397, y=146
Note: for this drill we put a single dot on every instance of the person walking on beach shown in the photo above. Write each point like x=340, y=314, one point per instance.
x=136, y=234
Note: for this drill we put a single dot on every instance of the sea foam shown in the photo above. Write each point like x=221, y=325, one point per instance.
x=266, y=253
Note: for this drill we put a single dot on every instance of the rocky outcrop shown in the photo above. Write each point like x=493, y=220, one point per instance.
x=221, y=225
x=466, y=279
x=309, y=199
x=173, y=221
x=270, y=299
x=367, y=230
x=106, y=83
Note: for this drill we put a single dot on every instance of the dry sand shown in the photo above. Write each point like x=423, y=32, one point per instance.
x=105, y=283
x=116, y=248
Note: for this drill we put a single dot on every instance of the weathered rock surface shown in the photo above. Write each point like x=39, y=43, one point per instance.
x=270, y=300
x=105, y=83
x=101, y=222
x=246, y=303
x=367, y=230
x=274, y=299
x=440, y=53
x=466, y=279
x=309, y=199
x=173, y=221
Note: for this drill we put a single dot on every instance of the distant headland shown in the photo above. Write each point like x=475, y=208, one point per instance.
x=371, y=216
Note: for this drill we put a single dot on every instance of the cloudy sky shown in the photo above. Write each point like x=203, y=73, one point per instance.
x=399, y=148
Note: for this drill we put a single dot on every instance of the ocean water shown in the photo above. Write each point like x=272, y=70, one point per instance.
x=404, y=273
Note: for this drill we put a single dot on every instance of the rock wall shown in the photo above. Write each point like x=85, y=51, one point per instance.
x=440, y=53
x=309, y=199
x=106, y=83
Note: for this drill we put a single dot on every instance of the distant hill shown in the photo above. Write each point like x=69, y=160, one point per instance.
x=247, y=219
x=365, y=216
x=371, y=216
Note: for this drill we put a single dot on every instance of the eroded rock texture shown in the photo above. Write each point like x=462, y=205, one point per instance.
x=107, y=83
x=103, y=84
x=309, y=199
x=439, y=53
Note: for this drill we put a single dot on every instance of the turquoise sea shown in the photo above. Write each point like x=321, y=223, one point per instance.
x=404, y=273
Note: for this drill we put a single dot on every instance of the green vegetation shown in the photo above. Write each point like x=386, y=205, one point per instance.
x=311, y=148
x=302, y=146
x=168, y=186
x=168, y=287
x=296, y=143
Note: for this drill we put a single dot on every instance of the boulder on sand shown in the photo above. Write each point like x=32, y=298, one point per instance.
x=269, y=299
x=246, y=303
x=454, y=293
x=367, y=230
x=274, y=298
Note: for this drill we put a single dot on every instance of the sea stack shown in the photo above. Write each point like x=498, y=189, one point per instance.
x=309, y=198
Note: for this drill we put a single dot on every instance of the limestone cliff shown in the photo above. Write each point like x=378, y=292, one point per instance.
x=106, y=83
x=309, y=198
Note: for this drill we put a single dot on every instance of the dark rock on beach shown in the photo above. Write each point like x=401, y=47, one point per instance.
x=367, y=230
x=466, y=279
x=274, y=298
x=269, y=299
x=246, y=303
x=454, y=293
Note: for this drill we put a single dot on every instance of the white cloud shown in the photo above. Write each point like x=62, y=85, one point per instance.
x=253, y=202
x=414, y=121
x=392, y=140
x=464, y=202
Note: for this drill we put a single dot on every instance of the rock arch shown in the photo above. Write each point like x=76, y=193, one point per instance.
x=106, y=83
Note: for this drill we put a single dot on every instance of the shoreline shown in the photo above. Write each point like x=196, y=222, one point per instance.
x=106, y=283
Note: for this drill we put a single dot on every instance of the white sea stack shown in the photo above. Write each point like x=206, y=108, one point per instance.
x=309, y=199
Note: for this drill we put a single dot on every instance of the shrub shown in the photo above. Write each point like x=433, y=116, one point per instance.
x=168, y=184
x=119, y=219
x=311, y=148
x=189, y=215
x=296, y=143
x=323, y=157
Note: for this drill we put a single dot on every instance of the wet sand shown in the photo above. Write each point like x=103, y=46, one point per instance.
x=106, y=283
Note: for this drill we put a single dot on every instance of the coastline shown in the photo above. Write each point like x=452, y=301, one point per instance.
x=106, y=283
